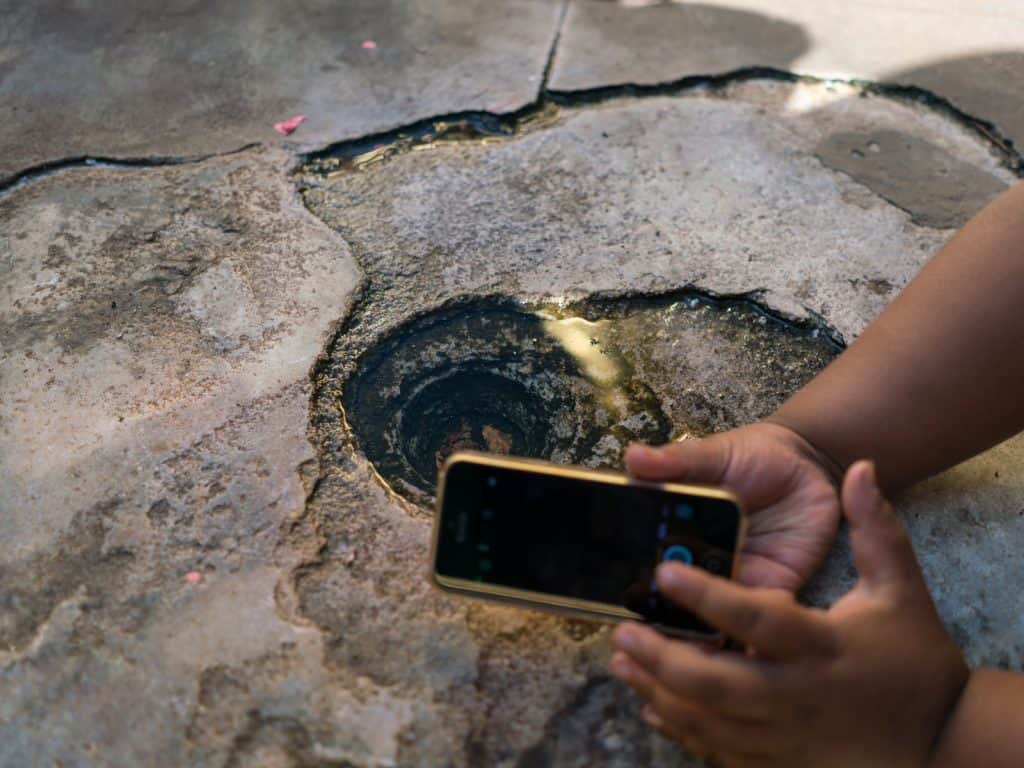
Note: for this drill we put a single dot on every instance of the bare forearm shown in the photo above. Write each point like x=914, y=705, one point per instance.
x=987, y=726
x=938, y=376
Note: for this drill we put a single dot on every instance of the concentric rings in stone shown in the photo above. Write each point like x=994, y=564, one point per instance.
x=496, y=377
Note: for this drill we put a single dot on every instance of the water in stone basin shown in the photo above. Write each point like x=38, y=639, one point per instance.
x=490, y=376
x=569, y=385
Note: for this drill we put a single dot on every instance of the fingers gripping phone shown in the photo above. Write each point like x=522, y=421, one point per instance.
x=577, y=541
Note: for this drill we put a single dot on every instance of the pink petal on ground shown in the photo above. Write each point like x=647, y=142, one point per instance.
x=193, y=577
x=287, y=126
x=369, y=45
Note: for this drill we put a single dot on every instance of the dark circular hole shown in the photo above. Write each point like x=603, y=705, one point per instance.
x=486, y=376
x=472, y=409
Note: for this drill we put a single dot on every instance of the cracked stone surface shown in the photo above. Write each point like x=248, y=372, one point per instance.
x=971, y=53
x=199, y=565
x=722, y=190
x=158, y=327
x=188, y=78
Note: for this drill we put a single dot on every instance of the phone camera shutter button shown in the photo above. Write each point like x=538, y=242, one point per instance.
x=678, y=553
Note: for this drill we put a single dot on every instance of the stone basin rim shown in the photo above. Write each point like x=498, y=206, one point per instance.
x=346, y=355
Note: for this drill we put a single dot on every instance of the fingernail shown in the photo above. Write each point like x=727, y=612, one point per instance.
x=625, y=639
x=872, y=479
x=671, y=574
x=620, y=666
x=651, y=717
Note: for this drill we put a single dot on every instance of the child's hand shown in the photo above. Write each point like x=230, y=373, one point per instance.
x=789, y=488
x=870, y=682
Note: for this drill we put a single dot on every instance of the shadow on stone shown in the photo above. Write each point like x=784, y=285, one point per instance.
x=599, y=47
x=987, y=87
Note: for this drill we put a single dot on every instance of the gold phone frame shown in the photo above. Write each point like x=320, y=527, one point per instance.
x=566, y=606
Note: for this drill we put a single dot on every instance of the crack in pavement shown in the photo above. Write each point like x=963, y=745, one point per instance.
x=477, y=124
x=549, y=64
x=50, y=167
x=481, y=124
x=987, y=130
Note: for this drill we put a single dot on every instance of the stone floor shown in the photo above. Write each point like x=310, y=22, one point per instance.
x=200, y=564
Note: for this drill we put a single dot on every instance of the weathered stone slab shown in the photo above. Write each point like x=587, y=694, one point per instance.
x=966, y=524
x=185, y=78
x=198, y=563
x=158, y=328
x=723, y=191
x=971, y=53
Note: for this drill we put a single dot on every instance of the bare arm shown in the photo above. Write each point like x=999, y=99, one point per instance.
x=987, y=726
x=938, y=376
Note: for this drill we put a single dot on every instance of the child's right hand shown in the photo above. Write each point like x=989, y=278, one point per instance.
x=789, y=487
x=870, y=682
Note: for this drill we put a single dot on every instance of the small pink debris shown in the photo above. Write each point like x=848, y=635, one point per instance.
x=193, y=577
x=287, y=126
x=369, y=45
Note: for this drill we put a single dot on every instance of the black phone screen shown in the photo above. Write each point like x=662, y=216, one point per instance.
x=578, y=538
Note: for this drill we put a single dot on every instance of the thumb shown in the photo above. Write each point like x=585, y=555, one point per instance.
x=694, y=461
x=881, y=547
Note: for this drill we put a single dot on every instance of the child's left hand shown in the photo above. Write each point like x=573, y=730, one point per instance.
x=870, y=682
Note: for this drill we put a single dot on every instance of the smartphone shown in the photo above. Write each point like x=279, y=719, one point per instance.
x=577, y=541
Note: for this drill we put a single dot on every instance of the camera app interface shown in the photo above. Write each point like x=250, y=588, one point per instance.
x=579, y=539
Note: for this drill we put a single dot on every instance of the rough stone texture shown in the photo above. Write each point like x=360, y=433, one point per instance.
x=196, y=568
x=986, y=84
x=188, y=78
x=720, y=190
x=966, y=525
x=971, y=53
x=158, y=327
x=626, y=196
